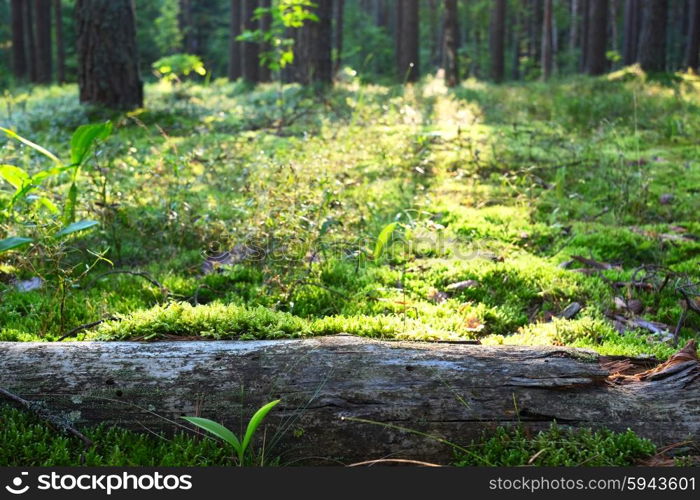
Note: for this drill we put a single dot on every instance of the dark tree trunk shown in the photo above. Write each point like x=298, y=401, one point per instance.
x=631, y=32
x=652, y=40
x=19, y=55
x=264, y=73
x=408, y=57
x=108, y=73
x=339, y=23
x=584, y=7
x=234, y=46
x=516, y=39
x=60, y=46
x=573, y=31
x=692, y=49
x=31, y=40
x=597, y=37
x=453, y=391
x=451, y=42
x=250, y=62
x=187, y=27
x=497, y=40
x=547, y=41
x=435, y=35
x=42, y=12
x=312, y=50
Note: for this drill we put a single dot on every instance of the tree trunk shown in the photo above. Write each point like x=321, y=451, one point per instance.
x=408, y=55
x=652, y=40
x=264, y=74
x=189, y=41
x=547, y=41
x=42, y=13
x=339, y=16
x=597, y=37
x=250, y=62
x=516, y=16
x=234, y=46
x=451, y=42
x=631, y=32
x=312, y=50
x=60, y=46
x=449, y=390
x=573, y=31
x=584, y=6
x=692, y=49
x=108, y=73
x=19, y=56
x=497, y=40
x=31, y=40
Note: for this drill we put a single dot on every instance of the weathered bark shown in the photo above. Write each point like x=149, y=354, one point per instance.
x=42, y=12
x=249, y=50
x=692, y=49
x=631, y=31
x=60, y=45
x=234, y=46
x=455, y=391
x=451, y=42
x=408, y=55
x=547, y=41
x=597, y=37
x=497, y=40
x=19, y=57
x=652, y=39
x=108, y=73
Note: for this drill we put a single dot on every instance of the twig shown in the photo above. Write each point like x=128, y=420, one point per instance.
x=86, y=326
x=142, y=274
x=43, y=414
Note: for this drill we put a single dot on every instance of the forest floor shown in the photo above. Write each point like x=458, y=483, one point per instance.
x=536, y=214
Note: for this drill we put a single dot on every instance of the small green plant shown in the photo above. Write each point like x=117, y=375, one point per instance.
x=177, y=66
x=239, y=446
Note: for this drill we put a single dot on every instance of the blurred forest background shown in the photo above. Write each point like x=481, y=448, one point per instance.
x=382, y=40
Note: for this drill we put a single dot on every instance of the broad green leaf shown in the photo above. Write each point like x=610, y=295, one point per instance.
x=48, y=204
x=32, y=145
x=254, y=423
x=71, y=201
x=83, y=139
x=216, y=429
x=14, y=175
x=13, y=242
x=49, y=172
x=383, y=239
x=76, y=227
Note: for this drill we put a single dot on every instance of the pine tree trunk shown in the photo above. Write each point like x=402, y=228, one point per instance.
x=652, y=40
x=42, y=12
x=19, y=56
x=312, y=50
x=250, y=50
x=584, y=6
x=264, y=74
x=187, y=27
x=573, y=31
x=234, y=46
x=31, y=40
x=597, y=37
x=60, y=46
x=451, y=43
x=547, y=42
x=692, y=49
x=631, y=32
x=409, y=59
x=108, y=73
x=497, y=40
x=516, y=39
x=339, y=24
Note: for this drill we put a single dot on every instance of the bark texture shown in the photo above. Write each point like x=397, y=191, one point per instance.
x=42, y=12
x=408, y=55
x=312, y=50
x=108, y=73
x=19, y=58
x=455, y=391
x=632, y=23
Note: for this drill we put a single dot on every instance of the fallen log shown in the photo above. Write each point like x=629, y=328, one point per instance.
x=454, y=391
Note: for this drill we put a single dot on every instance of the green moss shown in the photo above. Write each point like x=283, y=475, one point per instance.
x=557, y=447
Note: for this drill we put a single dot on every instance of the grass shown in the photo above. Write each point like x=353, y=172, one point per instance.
x=495, y=185
x=27, y=442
